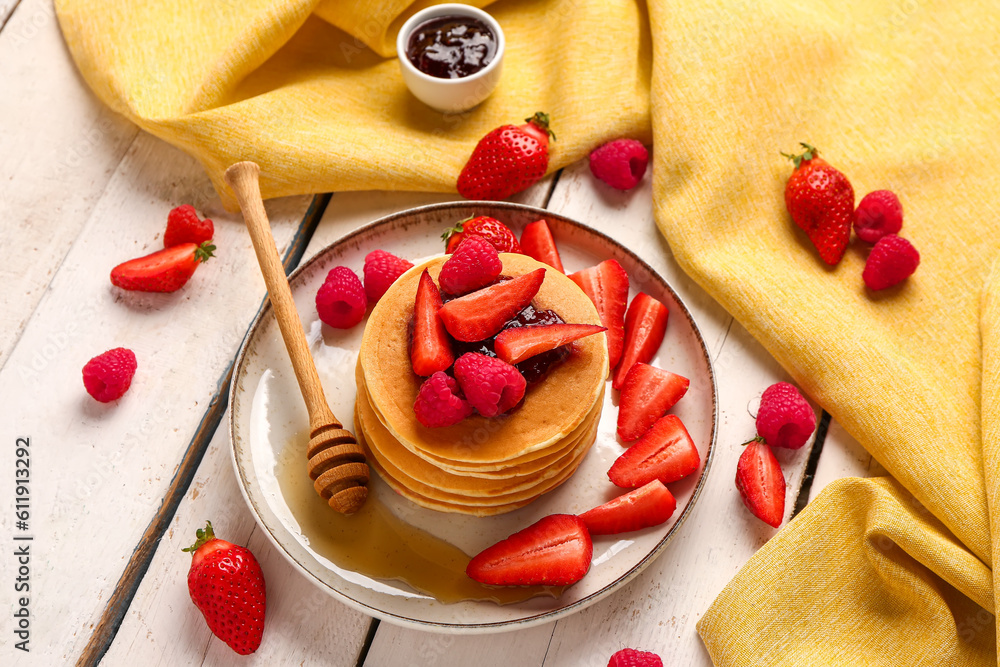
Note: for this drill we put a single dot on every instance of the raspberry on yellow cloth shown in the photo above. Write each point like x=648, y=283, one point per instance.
x=897, y=94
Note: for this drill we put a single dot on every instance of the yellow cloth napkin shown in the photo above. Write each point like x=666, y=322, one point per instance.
x=898, y=94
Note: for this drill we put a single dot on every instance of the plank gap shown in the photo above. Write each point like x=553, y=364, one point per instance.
x=6, y=12
x=369, y=640
x=802, y=499
x=552, y=189
x=121, y=598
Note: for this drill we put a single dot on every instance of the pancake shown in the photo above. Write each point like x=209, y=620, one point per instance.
x=522, y=465
x=427, y=480
x=552, y=409
x=463, y=507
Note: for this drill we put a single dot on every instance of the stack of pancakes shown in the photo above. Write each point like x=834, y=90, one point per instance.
x=480, y=466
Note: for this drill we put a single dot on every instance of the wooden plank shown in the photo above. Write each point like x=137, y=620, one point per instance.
x=101, y=471
x=58, y=151
x=162, y=627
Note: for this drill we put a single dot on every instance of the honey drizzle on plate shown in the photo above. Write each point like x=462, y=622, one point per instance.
x=376, y=543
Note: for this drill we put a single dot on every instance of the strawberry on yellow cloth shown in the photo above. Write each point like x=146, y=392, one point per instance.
x=897, y=94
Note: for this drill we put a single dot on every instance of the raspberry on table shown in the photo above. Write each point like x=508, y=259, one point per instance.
x=381, y=270
x=492, y=386
x=620, y=163
x=341, y=300
x=878, y=213
x=184, y=226
x=474, y=265
x=108, y=376
x=438, y=403
x=785, y=418
x=891, y=261
x=630, y=657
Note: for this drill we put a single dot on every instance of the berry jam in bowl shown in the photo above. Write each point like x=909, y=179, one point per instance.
x=451, y=56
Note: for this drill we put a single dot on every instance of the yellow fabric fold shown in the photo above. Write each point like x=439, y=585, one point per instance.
x=898, y=94
x=270, y=81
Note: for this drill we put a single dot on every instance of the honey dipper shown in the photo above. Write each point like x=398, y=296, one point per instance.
x=336, y=461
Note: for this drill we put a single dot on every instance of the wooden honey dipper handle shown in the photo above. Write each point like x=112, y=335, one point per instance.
x=337, y=463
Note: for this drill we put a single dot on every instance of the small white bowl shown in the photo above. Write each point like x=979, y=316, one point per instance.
x=450, y=95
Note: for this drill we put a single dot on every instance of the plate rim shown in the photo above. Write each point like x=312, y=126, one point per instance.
x=493, y=626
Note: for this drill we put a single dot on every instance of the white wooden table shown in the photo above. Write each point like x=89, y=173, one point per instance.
x=116, y=491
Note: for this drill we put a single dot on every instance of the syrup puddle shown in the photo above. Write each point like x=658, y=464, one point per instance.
x=375, y=543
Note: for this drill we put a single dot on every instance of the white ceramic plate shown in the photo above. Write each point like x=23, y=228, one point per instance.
x=268, y=417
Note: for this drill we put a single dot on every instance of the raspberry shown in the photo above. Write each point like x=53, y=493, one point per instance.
x=438, y=403
x=492, y=386
x=620, y=163
x=785, y=418
x=341, y=300
x=184, y=226
x=630, y=657
x=475, y=264
x=878, y=213
x=381, y=270
x=891, y=261
x=107, y=376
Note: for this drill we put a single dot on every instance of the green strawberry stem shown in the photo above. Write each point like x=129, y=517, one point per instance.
x=805, y=156
x=203, y=536
x=542, y=120
x=756, y=438
x=202, y=254
x=457, y=229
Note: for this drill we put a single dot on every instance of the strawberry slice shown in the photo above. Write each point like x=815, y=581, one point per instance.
x=649, y=505
x=516, y=344
x=430, y=350
x=760, y=482
x=537, y=243
x=479, y=315
x=166, y=270
x=666, y=453
x=645, y=324
x=647, y=393
x=607, y=286
x=554, y=551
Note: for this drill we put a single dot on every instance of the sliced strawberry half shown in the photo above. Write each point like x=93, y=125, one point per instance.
x=607, y=286
x=479, y=315
x=516, y=344
x=666, y=453
x=649, y=505
x=647, y=393
x=554, y=551
x=430, y=349
x=645, y=324
x=760, y=482
x=166, y=270
x=537, y=243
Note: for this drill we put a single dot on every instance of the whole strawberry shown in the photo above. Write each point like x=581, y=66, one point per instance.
x=508, y=160
x=820, y=200
x=491, y=229
x=184, y=226
x=227, y=585
x=891, y=261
